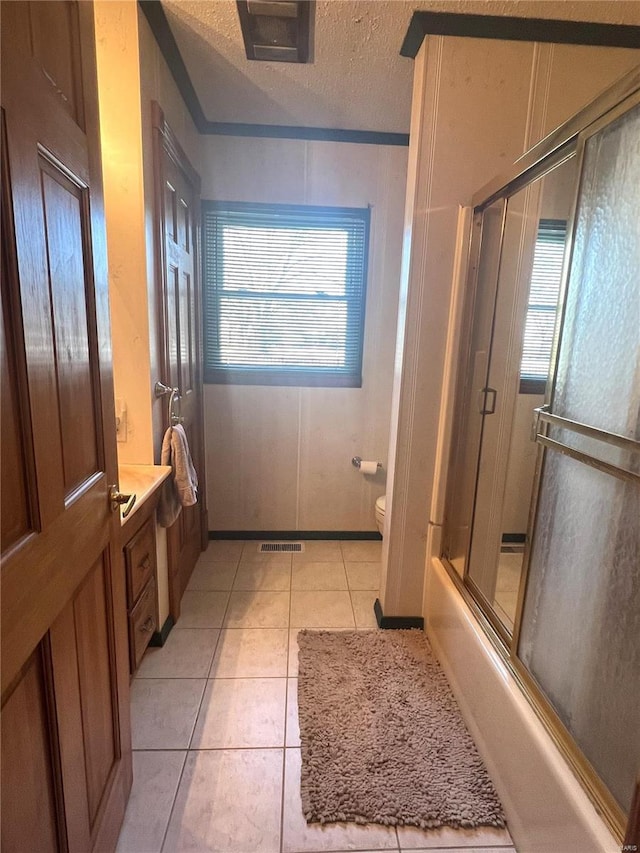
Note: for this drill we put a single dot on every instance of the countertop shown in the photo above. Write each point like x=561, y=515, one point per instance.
x=144, y=480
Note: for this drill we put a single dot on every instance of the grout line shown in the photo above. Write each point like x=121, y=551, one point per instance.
x=173, y=804
x=286, y=704
x=284, y=771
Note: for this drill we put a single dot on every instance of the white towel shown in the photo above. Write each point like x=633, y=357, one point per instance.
x=181, y=489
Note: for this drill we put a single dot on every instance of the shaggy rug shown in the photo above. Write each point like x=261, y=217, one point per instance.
x=382, y=737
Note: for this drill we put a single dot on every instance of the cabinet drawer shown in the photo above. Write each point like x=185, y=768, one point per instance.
x=140, y=558
x=143, y=621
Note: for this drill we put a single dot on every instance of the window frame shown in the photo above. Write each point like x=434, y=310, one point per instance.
x=273, y=375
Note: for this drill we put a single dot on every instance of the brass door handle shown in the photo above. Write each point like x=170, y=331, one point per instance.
x=118, y=499
x=148, y=625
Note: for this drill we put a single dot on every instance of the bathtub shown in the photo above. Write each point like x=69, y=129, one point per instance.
x=547, y=809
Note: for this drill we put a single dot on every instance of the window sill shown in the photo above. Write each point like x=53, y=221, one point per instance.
x=291, y=378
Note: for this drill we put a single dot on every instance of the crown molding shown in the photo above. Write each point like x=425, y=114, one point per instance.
x=516, y=29
x=157, y=20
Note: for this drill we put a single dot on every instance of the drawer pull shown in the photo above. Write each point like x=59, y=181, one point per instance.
x=148, y=625
x=145, y=564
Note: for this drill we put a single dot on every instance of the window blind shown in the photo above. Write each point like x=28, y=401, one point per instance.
x=284, y=293
x=544, y=291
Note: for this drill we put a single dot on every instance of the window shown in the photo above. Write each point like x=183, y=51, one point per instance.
x=546, y=277
x=284, y=294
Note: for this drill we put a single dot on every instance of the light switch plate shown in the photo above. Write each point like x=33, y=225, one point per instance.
x=121, y=420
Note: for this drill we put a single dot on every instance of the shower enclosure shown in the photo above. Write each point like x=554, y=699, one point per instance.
x=542, y=522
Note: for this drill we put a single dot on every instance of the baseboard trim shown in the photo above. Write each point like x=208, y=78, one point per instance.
x=159, y=638
x=273, y=535
x=396, y=622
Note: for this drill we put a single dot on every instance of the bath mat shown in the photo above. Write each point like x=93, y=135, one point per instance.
x=383, y=740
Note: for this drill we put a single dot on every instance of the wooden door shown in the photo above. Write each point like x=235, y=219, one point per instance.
x=178, y=215
x=66, y=758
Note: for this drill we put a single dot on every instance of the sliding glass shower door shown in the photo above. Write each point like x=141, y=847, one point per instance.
x=543, y=505
x=580, y=628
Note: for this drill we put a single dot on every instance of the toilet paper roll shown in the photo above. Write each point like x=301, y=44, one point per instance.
x=368, y=466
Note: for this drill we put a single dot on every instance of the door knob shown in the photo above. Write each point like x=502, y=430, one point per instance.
x=118, y=499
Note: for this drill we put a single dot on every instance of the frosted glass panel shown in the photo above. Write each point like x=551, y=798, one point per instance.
x=598, y=378
x=580, y=634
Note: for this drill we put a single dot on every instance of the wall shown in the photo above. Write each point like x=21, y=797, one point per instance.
x=132, y=72
x=477, y=106
x=120, y=131
x=280, y=458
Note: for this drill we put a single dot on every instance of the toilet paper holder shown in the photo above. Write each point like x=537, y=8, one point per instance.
x=357, y=462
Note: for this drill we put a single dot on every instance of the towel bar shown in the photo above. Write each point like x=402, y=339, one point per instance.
x=161, y=390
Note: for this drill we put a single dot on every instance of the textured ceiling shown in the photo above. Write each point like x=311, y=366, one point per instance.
x=357, y=80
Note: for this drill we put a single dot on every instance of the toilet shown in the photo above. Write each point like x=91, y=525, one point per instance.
x=380, y=510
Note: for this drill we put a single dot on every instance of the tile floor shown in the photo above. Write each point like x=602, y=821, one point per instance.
x=216, y=757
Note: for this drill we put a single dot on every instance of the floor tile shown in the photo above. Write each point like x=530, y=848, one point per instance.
x=155, y=782
x=163, y=711
x=199, y=609
x=368, y=551
x=321, y=610
x=258, y=610
x=228, y=802
x=412, y=838
x=292, y=667
x=212, y=576
x=319, y=551
x=299, y=837
x=264, y=576
x=364, y=575
x=223, y=550
x=187, y=653
x=319, y=576
x=293, y=728
x=240, y=713
x=251, y=554
x=251, y=653
x=363, y=609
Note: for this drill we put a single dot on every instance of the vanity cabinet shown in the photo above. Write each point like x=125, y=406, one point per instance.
x=138, y=543
x=142, y=603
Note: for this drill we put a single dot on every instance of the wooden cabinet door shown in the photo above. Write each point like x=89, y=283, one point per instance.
x=178, y=211
x=62, y=579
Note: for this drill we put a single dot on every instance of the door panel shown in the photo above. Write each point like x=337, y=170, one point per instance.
x=16, y=512
x=55, y=45
x=28, y=790
x=96, y=680
x=65, y=228
x=84, y=674
x=62, y=577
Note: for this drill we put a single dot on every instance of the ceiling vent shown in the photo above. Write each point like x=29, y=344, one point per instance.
x=277, y=30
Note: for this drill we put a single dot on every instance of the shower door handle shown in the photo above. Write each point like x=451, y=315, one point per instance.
x=484, y=407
